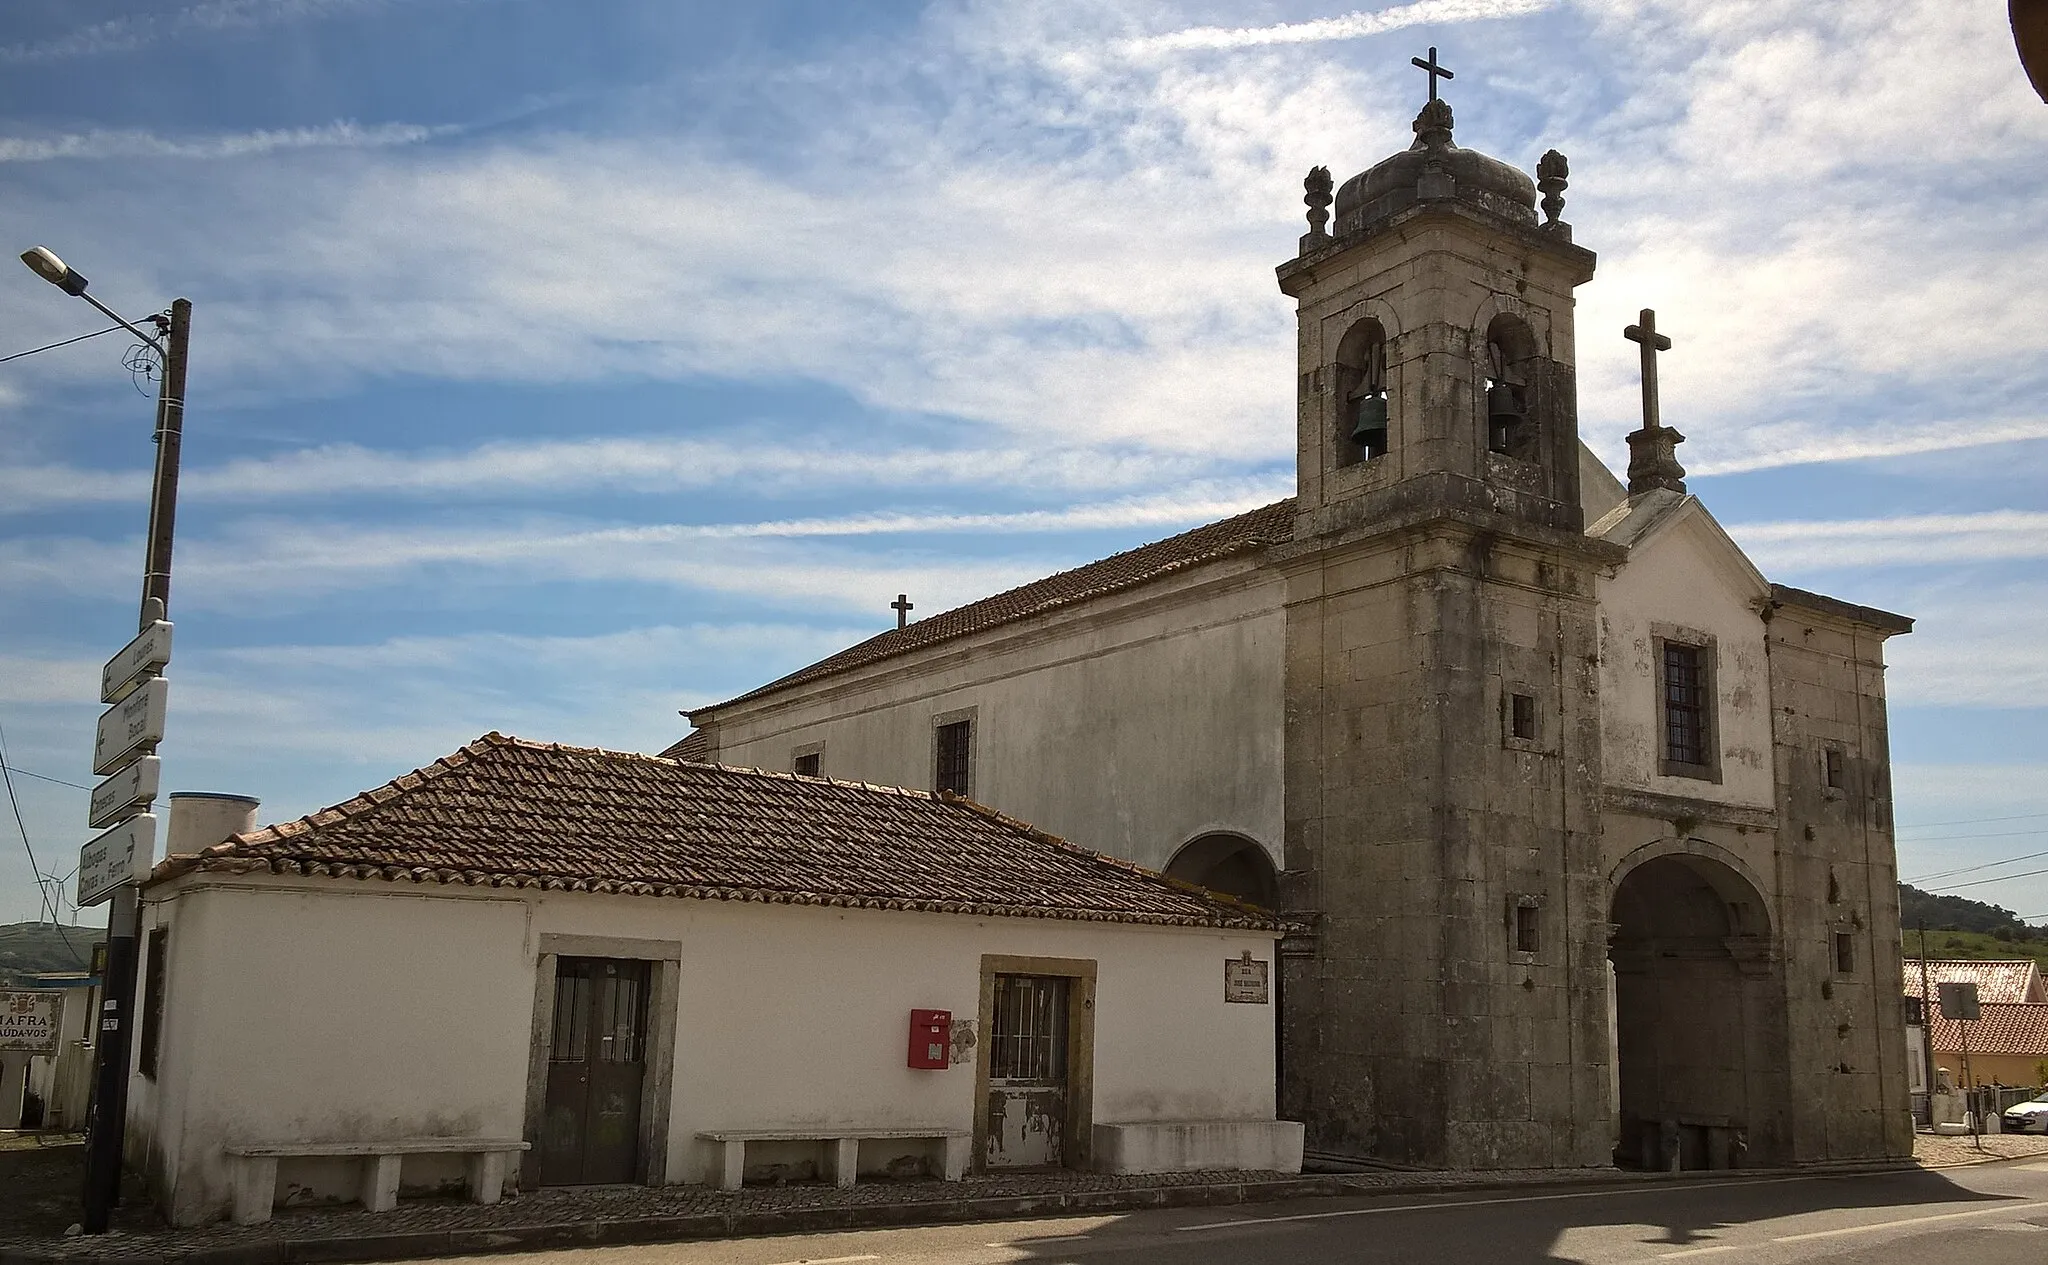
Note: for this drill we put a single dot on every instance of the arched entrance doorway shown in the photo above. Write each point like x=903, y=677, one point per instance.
x=1230, y=864
x=1698, y=1028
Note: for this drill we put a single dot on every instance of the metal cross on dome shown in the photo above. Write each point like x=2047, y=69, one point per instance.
x=1434, y=71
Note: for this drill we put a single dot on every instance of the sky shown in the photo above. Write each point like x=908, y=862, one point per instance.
x=556, y=367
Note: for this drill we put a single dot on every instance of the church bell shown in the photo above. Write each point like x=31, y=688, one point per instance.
x=1370, y=430
x=1503, y=414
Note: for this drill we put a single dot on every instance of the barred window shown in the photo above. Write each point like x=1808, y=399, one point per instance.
x=1685, y=704
x=806, y=765
x=952, y=755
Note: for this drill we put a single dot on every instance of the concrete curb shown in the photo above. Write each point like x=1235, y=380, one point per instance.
x=603, y=1232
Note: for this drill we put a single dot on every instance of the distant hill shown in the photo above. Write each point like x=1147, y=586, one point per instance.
x=1959, y=913
x=28, y=948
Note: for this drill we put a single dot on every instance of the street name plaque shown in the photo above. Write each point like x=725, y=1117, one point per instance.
x=121, y=855
x=29, y=1020
x=127, y=670
x=127, y=791
x=129, y=726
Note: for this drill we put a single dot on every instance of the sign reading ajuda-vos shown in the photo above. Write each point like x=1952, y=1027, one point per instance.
x=130, y=726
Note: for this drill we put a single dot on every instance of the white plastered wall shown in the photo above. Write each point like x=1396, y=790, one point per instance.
x=341, y=1009
x=1684, y=577
x=1131, y=725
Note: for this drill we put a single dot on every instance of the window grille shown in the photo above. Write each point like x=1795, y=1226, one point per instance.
x=953, y=753
x=1685, y=704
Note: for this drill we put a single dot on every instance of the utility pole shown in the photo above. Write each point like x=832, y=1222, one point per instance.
x=124, y=918
x=1927, y=1021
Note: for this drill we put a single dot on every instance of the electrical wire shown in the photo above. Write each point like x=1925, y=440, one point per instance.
x=1979, y=882
x=1973, y=821
x=44, y=777
x=66, y=343
x=1972, y=869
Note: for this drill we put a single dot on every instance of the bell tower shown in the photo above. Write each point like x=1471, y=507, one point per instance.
x=1448, y=1007
x=1435, y=338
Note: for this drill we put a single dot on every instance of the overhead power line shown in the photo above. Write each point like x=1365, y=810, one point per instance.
x=66, y=343
x=48, y=901
x=1972, y=869
x=1971, y=821
x=44, y=777
x=1980, y=882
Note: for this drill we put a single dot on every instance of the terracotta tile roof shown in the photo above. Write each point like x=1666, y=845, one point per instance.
x=2006, y=1028
x=694, y=746
x=1997, y=979
x=502, y=812
x=1273, y=524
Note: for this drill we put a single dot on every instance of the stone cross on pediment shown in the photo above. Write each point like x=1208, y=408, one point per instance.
x=1653, y=450
x=902, y=606
x=1645, y=334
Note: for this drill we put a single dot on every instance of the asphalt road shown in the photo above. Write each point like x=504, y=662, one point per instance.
x=1994, y=1214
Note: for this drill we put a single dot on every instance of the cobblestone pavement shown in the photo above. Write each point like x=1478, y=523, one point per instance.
x=1939, y=1152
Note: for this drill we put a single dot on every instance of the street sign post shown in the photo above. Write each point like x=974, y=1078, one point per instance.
x=137, y=661
x=121, y=855
x=130, y=727
x=129, y=791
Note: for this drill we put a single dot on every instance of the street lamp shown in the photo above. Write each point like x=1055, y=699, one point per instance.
x=124, y=920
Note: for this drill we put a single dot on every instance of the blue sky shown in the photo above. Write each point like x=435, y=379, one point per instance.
x=558, y=366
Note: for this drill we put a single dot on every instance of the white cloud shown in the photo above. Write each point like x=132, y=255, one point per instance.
x=1350, y=26
x=129, y=33
x=1902, y=540
x=100, y=144
x=627, y=463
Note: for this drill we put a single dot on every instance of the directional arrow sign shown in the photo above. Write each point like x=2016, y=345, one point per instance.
x=132, y=788
x=130, y=725
x=122, y=855
x=150, y=650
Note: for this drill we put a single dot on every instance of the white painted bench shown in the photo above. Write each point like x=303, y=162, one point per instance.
x=845, y=1148
x=254, y=1167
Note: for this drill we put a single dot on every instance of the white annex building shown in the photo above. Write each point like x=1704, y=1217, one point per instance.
x=546, y=965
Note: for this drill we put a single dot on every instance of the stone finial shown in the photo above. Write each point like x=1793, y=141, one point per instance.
x=1552, y=171
x=1433, y=125
x=1653, y=461
x=1317, y=197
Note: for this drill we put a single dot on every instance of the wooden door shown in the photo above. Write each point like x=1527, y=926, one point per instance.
x=597, y=1066
x=1027, y=1072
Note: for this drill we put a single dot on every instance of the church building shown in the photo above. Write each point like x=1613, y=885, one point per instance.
x=1586, y=824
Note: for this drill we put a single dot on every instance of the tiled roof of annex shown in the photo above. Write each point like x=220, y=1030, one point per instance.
x=504, y=812
x=2004, y=1028
x=2001, y=980
x=1268, y=525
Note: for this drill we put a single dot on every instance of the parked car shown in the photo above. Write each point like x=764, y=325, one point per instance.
x=2027, y=1117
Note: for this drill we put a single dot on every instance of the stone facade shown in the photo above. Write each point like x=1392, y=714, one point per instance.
x=1531, y=937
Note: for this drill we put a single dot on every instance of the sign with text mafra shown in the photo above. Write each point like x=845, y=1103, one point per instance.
x=1244, y=979
x=28, y=1020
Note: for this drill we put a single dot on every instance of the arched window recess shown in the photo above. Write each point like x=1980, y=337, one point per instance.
x=1509, y=347
x=1362, y=381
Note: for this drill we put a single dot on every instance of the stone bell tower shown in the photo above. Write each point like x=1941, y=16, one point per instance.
x=1449, y=1007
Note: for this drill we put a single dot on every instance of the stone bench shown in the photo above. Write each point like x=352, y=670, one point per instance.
x=845, y=1148
x=254, y=1167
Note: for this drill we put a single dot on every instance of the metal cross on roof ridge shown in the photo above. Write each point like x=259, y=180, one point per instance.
x=1645, y=333
x=1434, y=71
x=902, y=606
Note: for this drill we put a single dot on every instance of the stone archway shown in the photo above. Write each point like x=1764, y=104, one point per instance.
x=1698, y=1017
x=1230, y=864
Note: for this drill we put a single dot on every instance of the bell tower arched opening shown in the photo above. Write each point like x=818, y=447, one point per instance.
x=1230, y=864
x=1695, y=1005
x=1363, y=414
x=1511, y=355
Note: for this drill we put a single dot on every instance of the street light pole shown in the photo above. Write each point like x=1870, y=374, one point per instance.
x=115, y=1037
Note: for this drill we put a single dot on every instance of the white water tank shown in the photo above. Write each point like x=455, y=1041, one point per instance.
x=200, y=819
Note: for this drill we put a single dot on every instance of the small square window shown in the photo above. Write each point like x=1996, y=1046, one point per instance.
x=1522, y=716
x=1845, y=953
x=806, y=765
x=1832, y=763
x=1525, y=929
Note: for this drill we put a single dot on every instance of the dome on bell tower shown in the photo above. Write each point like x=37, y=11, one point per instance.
x=1435, y=169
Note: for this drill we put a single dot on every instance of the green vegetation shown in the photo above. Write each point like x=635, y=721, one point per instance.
x=1962, y=928
x=28, y=948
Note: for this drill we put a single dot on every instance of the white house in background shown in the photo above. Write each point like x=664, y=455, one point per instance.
x=621, y=967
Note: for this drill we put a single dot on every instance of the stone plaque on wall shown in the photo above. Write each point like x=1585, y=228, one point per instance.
x=1244, y=979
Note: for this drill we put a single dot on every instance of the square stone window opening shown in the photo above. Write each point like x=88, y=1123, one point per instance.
x=1522, y=716
x=1845, y=953
x=808, y=760
x=1834, y=770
